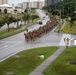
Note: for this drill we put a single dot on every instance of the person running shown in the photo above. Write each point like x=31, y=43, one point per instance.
x=25, y=34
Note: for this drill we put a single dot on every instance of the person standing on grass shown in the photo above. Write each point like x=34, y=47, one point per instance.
x=66, y=40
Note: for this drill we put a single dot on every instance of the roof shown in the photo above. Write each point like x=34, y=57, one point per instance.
x=5, y=5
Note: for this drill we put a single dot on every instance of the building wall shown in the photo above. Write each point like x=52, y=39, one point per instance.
x=0, y=2
x=3, y=2
x=9, y=9
x=25, y=5
x=31, y=5
x=20, y=5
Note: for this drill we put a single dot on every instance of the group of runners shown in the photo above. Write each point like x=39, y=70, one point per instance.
x=32, y=35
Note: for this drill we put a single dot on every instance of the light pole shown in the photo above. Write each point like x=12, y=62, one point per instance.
x=60, y=18
x=70, y=22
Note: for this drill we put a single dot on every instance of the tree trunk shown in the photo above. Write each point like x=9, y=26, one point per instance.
x=8, y=27
x=17, y=24
x=28, y=21
x=32, y=20
x=21, y=22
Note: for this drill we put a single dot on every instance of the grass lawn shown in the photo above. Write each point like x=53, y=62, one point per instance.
x=60, y=66
x=26, y=62
x=4, y=33
x=58, y=27
x=67, y=29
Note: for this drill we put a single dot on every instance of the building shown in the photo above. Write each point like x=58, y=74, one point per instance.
x=29, y=5
x=6, y=6
x=50, y=2
x=3, y=2
x=10, y=9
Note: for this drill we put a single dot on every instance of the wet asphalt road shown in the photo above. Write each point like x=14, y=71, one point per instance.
x=14, y=44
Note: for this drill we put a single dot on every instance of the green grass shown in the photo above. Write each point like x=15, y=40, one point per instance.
x=27, y=61
x=4, y=33
x=60, y=66
x=59, y=27
x=13, y=31
x=57, y=17
x=67, y=28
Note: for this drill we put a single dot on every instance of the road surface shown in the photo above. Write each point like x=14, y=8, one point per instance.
x=14, y=44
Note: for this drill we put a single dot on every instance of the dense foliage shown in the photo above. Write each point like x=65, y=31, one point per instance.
x=67, y=8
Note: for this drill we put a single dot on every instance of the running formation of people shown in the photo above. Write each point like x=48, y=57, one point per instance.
x=32, y=35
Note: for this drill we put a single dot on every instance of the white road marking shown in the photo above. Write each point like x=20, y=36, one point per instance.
x=62, y=43
x=72, y=39
x=74, y=42
x=10, y=41
x=3, y=44
x=6, y=46
x=7, y=43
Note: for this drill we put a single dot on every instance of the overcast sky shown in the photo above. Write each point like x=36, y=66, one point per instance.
x=19, y=1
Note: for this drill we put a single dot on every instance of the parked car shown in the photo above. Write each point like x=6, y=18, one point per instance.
x=44, y=18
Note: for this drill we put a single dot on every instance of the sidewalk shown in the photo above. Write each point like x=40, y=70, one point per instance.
x=47, y=62
x=56, y=28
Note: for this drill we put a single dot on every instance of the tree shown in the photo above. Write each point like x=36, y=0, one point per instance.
x=73, y=18
x=34, y=17
x=0, y=10
x=17, y=20
x=25, y=17
x=8, y=20
x=28, y=17
x=21, y=19
x=26, y=10
x=2, y=23
x=67, y=7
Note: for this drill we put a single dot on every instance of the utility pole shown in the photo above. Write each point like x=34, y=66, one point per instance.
x=60, y=18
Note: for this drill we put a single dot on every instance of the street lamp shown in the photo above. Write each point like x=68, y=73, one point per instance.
x=75, y=10
x=70, y=22
x=60, y=18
